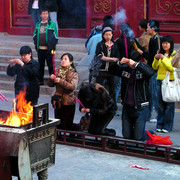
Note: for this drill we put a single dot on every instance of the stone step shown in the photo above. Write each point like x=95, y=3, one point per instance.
x=7, y=51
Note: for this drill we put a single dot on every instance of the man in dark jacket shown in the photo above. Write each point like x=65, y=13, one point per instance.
x=26, y=71
x=134, y=94
x=45, y=40
x=53, y=7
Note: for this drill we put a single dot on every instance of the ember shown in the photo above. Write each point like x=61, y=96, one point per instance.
x=24, y=114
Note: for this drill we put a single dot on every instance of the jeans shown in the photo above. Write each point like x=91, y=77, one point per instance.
x=36, y=16
x=165, y=118
x=117, y=86
x=53, y=17
x=134, y=122
x=42, y=56
x=152, y=95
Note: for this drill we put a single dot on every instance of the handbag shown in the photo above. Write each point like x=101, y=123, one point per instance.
x=85, y=122
x=170, y=89
x=95, y=66
x=56, y=101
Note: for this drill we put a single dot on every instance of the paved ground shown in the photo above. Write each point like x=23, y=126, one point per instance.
x=74, y=163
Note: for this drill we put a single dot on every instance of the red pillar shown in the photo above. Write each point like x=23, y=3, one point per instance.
x=2, y=16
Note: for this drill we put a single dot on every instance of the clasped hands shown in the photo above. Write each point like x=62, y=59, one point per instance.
x=159, y=56
x=53, y=77
x=16, y=61
x=129, y=62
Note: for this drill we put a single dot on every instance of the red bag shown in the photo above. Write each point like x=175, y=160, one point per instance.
x=155, y=139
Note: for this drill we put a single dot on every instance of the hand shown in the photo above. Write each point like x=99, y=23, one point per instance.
x=131, y=64
x=85, y=110
x=115, y=59
x=11, y=62
x=52, y=76
x=56, y=80
x=124, y=60
x=140, y=51
x=157, y=56
x=16, y=61
x=161, y=56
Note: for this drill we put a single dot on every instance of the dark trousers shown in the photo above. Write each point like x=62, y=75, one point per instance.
x=110, y=80
x=100, y=122
x=66, y=116
x=42, y=56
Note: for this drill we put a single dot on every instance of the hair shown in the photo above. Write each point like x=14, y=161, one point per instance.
x=108, y=21
x=171, y=41
x=25, y=50
x=143, y=23
x=135, y=55
x=154, y=24
x=44, y=8
x=127, y=30
x=70, y=59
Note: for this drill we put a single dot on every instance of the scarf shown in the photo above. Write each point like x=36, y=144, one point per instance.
x=62, y=72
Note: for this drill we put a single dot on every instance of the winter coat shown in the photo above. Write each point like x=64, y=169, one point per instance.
x=26, y=76
x=52, y=5
x=65, y=88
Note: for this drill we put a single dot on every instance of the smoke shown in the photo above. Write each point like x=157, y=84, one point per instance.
x=127, y=30
x=120, y=17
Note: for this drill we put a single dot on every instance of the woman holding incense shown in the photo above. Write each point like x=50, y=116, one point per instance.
x=96, y=100
x=63, y=101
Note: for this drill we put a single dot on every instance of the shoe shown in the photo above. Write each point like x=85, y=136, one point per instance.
x=165, y=131
x=153, y=120
x=158, y=130
x=40, y=83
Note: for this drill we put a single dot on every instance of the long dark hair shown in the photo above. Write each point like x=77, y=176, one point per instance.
x=171, y=41
x=70, y=59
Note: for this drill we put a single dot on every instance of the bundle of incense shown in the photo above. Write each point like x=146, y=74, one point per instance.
x=3, y=97
x=135, y=45
x=53, y=52
x=77, y=100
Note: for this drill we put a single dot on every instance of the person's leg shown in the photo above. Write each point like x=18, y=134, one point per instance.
x=117, y=86
x=34, y=16
x=169, y=116
x=53, y=16
x=100, y=79
x=49, y=62
x=58, y=114
x=141, y=115
x=161, y=107
x=127, y=123
x=41, y=60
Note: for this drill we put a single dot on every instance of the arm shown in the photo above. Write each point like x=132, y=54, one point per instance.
x=155, y=64
x=168, y=65
x=31, y=70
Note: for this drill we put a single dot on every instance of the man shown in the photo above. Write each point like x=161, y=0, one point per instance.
x=154, y=46
x=26, y=71
x=45, y=40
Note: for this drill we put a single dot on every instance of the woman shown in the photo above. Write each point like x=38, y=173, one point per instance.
x=100, y=105
x=162, y=63
x=109, y=53
x=65, y=80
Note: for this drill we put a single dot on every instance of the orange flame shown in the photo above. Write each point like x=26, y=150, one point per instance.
x=24, y=114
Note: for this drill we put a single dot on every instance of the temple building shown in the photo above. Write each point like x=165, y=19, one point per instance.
x=77, y=17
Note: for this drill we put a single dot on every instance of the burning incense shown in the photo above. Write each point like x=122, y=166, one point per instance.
x=53, y=52
x=3, y=97
x=135, y=45
x=77, y=100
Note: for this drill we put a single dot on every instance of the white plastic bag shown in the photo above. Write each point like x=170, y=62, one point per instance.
x=170, y=89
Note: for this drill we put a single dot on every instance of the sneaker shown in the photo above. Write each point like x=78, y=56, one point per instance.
x=158, y=130
x=153, y=120
x=165, y=131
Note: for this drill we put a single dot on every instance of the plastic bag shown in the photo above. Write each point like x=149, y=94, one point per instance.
x=155, y=139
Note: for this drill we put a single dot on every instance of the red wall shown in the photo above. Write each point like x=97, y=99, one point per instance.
x=2, y=16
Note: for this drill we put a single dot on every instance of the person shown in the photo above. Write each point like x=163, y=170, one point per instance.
x=53, y=7
x=26, y=71
x=108, y=52
x=134, y=94
x=154, y=47
x=45, y=40
x=65, y=81
x=162, y=64
x=145, y=37
x=34, y=7
x=100, y=105
x=94, y=38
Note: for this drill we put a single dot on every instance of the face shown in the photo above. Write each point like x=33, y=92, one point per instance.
x=166, y=46
x=149, y=30
x=108, y=35
x=44, y=15
x=65, y=62
x=26, y=57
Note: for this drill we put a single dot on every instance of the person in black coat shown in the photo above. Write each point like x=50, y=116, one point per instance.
x=100, y=105
x=26, y=71
x=33, y=8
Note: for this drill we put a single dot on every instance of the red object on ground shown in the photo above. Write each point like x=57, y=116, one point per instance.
x=137, y=166
x=155, y=139
x=3, y=97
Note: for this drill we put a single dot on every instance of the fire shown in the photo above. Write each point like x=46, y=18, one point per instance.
x=24, y=114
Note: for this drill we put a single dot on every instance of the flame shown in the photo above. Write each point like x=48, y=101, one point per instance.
x=53, y=52
x=24, y=114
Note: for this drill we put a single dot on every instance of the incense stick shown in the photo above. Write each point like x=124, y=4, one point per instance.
x=77, y=100
x=3, y=96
